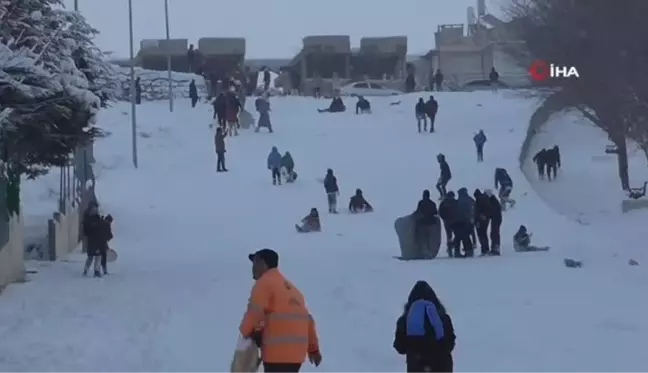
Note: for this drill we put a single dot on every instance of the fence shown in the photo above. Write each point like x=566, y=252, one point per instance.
x=76, y=191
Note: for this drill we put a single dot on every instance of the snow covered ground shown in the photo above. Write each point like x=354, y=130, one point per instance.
x=588, y=189
x=183, y=233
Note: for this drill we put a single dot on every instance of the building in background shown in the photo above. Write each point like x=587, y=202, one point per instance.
x=379, y=58
x=465, y=53
x=153, y=54
x=322, y=58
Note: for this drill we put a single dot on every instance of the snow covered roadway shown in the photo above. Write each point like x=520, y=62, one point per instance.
x=176, y=296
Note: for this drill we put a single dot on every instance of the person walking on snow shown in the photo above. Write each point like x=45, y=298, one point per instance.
x=431, y=109
x=424, y=333
x=540, y=159
x=219, y=147
x=262, y=105
x=288, y=164
x=505, y=184
x=444, y=177
x=480, y=140
x=494, y=79
x=421, y=115
x=277, y=319
x=426, y=215
x=97, y=232
x=495, y=210
x=482, y=220
x=193, y=93
x=274, y=165
x=332, y=191
x=448, y=213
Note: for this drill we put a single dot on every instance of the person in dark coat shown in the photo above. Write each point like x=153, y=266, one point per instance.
x=97, y=233
x=505, y=184
x=138, y=91
x=431, y=109
x=336, y=106
x=421, y=115
x=410, y=83
x=493, y=76
x=426, y=216
x=332, y=191
x=540, y=159
x=482, y=219
x=288, y=164
x=358, y=203
x=107, y=226
x=363, y=106
x=219, y=146
x=266, y=79
x=448, y=214
x=495, y=222
x=193, y=93
x=220, y=109
x=444, y=177
x=462, y=227
x=274, y=165
x=425, y=333
x=463, y=195
x=232, y=108
x=438, y=80
x=191, y=58
x=480, y=140
x=552, y=158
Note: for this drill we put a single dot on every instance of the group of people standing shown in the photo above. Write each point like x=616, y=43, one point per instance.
x=547, y=162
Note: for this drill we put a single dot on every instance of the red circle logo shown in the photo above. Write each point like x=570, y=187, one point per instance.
x=539, y=70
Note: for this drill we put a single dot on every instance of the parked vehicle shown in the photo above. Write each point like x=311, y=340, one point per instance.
x=368, y=89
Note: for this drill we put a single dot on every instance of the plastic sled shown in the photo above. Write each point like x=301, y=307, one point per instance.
x=405, y=230
x=111, y=255
x=246, y=357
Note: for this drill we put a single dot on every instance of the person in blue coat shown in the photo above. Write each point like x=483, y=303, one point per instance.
x=274, y=165
x=480, y=140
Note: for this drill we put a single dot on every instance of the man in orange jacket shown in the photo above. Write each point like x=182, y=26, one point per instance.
x=277, y=318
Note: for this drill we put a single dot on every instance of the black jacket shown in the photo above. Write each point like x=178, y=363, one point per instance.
x=448, y=210
x=426, y=211
x=426, y=354
x=358, y=203
x=330, y=184
x=482, y=208
x=495, y=209
x=431, y=107
x=98, y=232
x=419, y=109
x=446, y=174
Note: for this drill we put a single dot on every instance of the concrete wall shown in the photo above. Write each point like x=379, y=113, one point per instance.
x=384, y=45
x=222, y=46
x=459, y=67
x=157, y=47
x=327, y=43
x=12, y=264
x=63, y=232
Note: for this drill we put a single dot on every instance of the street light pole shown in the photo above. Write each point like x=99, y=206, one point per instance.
x=76, y=5
x=168, y=38
x=132, y=84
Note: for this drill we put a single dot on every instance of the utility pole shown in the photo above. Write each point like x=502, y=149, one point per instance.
x=132, y=84
x=76, y=5
x=168, y=42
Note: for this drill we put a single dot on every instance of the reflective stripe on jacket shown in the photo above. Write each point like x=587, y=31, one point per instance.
x=278, y=308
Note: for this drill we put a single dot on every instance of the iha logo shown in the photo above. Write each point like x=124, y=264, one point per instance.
x=542, y=70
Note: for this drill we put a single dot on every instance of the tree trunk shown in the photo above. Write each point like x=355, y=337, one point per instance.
x=622, y=160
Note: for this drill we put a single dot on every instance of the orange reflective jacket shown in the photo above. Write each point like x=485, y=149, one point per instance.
x=288, y=329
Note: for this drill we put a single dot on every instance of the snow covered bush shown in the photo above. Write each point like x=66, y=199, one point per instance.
x=53, y=81
x=155, y=84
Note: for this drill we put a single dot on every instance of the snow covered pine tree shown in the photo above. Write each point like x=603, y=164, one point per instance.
x=48, y=103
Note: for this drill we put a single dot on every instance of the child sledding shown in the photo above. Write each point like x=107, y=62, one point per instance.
x=311, y=223
x=358, y=204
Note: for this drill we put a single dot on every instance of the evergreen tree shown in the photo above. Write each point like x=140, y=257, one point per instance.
x=53, y=81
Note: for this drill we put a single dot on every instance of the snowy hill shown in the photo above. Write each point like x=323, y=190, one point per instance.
x=183, y=232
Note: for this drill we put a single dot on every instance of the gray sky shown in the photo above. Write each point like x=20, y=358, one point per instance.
x=275, y=28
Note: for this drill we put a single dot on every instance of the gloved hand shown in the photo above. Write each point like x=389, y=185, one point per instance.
x=315, y=358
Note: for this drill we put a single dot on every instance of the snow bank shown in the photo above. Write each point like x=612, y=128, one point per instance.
x=155, y=84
